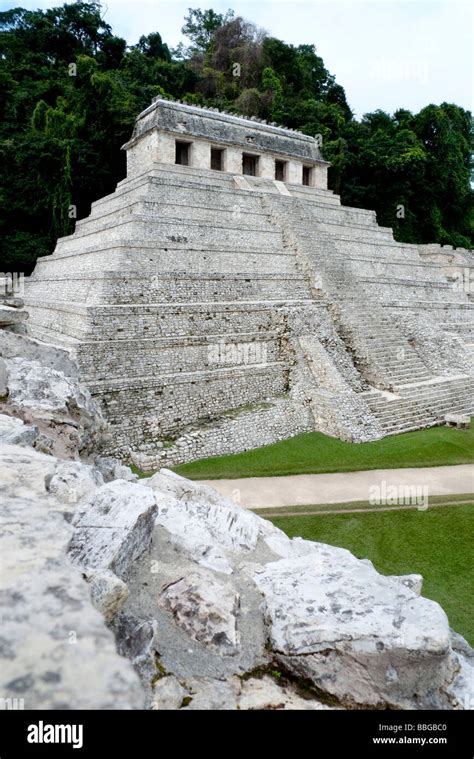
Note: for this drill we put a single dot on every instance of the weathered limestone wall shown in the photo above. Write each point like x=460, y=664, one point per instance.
x=262, y=424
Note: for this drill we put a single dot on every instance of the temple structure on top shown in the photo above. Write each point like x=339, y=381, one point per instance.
x=175, y=133
x=222, y=298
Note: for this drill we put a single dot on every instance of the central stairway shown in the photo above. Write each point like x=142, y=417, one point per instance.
x=340, y=254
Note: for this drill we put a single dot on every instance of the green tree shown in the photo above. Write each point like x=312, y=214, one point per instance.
x=70, y=91
x=200, y=26
x=273, y=86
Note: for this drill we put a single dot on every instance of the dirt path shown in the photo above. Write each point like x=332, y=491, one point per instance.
x=376, y=485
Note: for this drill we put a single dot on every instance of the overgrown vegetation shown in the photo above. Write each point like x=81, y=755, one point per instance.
x=71, y=90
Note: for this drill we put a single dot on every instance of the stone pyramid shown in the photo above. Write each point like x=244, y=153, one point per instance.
x=213, y=310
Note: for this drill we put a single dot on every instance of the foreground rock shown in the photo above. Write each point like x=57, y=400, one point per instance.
x=358, y=637
x=113, y=528
x=368, y=641
x=206, y=609
x=266, y=693
x=200, y=595
x=111, y=469
x=17, y=345
x=11, y=317
x=200, y=522
x=15, y=432
x=73, y=481
x=28, y=473
x=55, y=650
x=108, y=592
x=249, y=694
x=67, y=420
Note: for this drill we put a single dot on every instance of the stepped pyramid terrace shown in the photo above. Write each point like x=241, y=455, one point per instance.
x=222, y=298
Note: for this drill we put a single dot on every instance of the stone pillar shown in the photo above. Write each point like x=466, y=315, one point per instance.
x=295, y=172
x=320, y=177
x=266, y=167
x=233, y=160
x=200, y=157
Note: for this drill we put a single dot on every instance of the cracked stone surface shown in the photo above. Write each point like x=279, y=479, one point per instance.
x=113, y=528
x=206, y=609
x=371, y=640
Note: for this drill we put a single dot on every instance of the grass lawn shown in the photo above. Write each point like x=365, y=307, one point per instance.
x=437, y=543
x=313, y=453
x=435, y=501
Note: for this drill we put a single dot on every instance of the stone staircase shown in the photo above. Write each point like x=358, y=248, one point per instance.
x=422, y=404
x=381, y=352
x=404, y=394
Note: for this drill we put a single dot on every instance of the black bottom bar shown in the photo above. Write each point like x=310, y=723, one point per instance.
x=325, y=733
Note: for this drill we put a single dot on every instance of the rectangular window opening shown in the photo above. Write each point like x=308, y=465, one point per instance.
x=182, y=153
x=249, y=165
x=307, y=175
x=217, y=159
x=280, y=171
